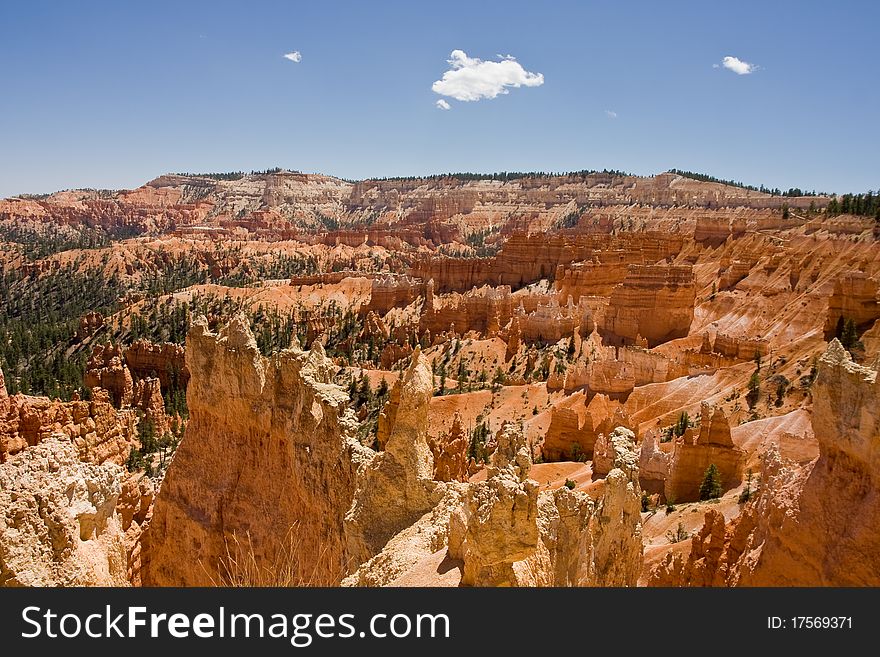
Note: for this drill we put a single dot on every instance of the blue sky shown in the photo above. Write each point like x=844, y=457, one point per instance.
x=112, y=94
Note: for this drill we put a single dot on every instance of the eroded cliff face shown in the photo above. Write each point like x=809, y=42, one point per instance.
x=58, y=520
x=856, y=298
x=427, y=210
x=269, y=450
x=61, y=471
x=506, y=533
x=450, y=453
x=813, y=525
x=692, y=455
x=98, y=431
x=497, y=524
x=396, y=487
x=270, y=446
x=653, y=302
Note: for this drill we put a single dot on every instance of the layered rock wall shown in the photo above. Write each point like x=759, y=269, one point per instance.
x=97, y=430
x=269, y=450
x=692, y=456
x=855, y=298
x=653, y=302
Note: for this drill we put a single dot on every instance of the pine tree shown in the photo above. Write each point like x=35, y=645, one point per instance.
x=682, y=424
x=849, y=336
x=710, y=489
x=754, y=389
x=147, y=436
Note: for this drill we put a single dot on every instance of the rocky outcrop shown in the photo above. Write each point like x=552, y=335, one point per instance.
x=135, y=509
x=95, y=438
x=497, y=524
x=422, y=541
x=653, y=302
x=505, y=533
x=97, y=430
x=164, y=361
x=572, y=431
x=106, y=369
x=269, y=450
x=731, y=272
x=279, y=451
x=551, y=322
x=608, y=446
x=691, y=457
x=450, y=453
x=813, y=525
x=374, y=328
x=391, y=291
x=595, y=277
x=485, y=309
x=855, y=298
x=89, y=325
x=653, y=463
x=58, y=520
x=526, y=258
x=396, y=487
x=147, y=397
x=713, y=231
x=740, y=348
x=706, y=565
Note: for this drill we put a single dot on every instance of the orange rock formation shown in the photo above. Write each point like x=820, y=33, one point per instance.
x=692, y=456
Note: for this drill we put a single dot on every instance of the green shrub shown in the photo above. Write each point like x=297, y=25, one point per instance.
x=678, y=535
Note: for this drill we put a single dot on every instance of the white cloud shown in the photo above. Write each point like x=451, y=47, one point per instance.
x=611, y=114
x=738, y=66
x=469, y=78
x=442, y=104
x=294, y=56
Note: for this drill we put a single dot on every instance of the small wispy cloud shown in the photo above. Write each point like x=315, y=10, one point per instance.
x=611, y=114
x=442, y=104
x=294, y=56
x=469, y=78
x=737, y=65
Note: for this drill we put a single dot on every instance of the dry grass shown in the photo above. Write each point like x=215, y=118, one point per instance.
x=241, y=567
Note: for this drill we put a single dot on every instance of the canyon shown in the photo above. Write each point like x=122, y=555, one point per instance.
x=586, y=379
